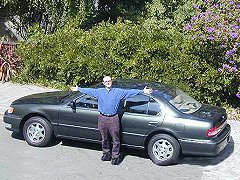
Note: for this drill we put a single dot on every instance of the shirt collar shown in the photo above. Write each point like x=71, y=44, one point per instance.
x=108, y=89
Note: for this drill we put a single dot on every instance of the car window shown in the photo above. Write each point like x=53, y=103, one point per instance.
x=181, y=100
x=141, y=104
x=153, y=108
x=87, y=102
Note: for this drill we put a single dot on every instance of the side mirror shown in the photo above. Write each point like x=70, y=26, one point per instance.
x=72, y=104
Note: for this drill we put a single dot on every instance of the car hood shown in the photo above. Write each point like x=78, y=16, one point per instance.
x=214, y=113
x=43, y=98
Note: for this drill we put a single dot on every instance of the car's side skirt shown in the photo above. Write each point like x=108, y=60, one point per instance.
x=78, y=138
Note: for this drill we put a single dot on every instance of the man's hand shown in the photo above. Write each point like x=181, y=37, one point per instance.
x=147, y=90
x=74, y=88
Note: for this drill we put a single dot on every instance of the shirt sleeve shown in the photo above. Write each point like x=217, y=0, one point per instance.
x=89, y=91
x=132, y=92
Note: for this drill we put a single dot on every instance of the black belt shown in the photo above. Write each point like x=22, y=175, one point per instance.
x=108, y=115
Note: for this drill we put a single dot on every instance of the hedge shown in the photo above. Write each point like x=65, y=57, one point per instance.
x=123, y=50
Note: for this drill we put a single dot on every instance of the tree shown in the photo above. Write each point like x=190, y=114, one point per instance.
x=49, y=15
x=216, y=24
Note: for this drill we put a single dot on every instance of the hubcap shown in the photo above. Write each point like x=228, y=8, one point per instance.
x=36, y=132
x=162, y=149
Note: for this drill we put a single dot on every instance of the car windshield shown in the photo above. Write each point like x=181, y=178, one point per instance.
x=182, y=101
x=70, y=96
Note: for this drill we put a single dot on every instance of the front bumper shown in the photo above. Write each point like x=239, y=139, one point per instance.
x=12, y=122
x=206, y=147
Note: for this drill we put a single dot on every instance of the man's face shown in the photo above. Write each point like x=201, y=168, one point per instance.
x=107, y=81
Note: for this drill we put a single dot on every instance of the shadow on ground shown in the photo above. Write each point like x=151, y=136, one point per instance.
x=94, y=146
x=184, y=159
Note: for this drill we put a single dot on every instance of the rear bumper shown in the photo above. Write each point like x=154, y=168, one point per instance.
x=206, y=147
x=12, y=123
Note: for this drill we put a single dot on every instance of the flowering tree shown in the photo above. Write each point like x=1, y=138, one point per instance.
x=217, y=23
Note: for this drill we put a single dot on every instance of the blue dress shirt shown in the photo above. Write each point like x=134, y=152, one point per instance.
x=109, y=100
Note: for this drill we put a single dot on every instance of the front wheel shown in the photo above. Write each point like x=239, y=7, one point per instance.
x=37, y=131
x=163, y=149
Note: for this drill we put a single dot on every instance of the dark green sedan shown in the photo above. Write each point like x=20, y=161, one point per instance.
x=166, y=123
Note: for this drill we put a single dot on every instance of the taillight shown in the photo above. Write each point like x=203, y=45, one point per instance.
x=215, y=130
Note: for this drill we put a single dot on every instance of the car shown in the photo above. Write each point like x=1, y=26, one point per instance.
x=166, y=123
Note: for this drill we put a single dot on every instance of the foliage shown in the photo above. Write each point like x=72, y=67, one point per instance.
x=122, y=50
x=216, y=25
x=53, y=14
x=169, y=13
x=78, y=42
x=49, y=15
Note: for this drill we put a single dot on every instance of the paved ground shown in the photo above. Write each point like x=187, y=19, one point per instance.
x=76, y=160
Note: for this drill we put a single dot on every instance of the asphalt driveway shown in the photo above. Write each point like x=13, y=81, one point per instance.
x=66, y=159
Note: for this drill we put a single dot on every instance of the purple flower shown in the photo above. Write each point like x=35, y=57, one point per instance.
x=235, y=27
x=233, y=35
x=202, y=36
x=194, y=18
x=205, y=1
x=219, y=70
x=231, y=2
x=238, y=19
x=210, y=30
x=219, y=33
x=209, y=12
x=224, y=38
x=215, y=5
x=211, y=38
x=230, y=52
x=223, y=46
x=238, y=6
x=195, y=6
x=188, y=27
x=225, y=66
x=220, y=24
x=238, y=95
x=194, y=37
x=231, y=61
x=234, y=68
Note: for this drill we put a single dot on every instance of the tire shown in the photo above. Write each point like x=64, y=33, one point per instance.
x=37, y=131
x=163, y=149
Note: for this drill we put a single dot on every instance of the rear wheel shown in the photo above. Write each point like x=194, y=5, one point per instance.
x=37, y=131
x=163, y=149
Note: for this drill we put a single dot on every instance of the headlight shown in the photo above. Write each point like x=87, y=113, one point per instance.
x=10, y=110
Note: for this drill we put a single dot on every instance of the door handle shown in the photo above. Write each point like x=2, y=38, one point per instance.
x=153, y=123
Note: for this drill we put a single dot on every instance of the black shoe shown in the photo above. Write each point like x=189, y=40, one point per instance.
x=117, y=161
x=106, y=156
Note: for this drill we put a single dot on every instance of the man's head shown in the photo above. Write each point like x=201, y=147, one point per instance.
x=107, y=81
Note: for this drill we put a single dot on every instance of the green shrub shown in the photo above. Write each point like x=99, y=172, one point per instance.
x=123, y=50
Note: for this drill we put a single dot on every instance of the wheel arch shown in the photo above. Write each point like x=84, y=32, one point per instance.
x=161, y=131
x=28, y=116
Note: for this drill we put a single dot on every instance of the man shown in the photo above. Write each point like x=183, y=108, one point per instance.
x=109, y=99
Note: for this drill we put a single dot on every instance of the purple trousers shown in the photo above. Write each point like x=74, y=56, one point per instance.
x=109, y=128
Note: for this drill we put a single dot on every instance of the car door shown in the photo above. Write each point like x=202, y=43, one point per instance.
x=80, y=123
x=141, y=114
